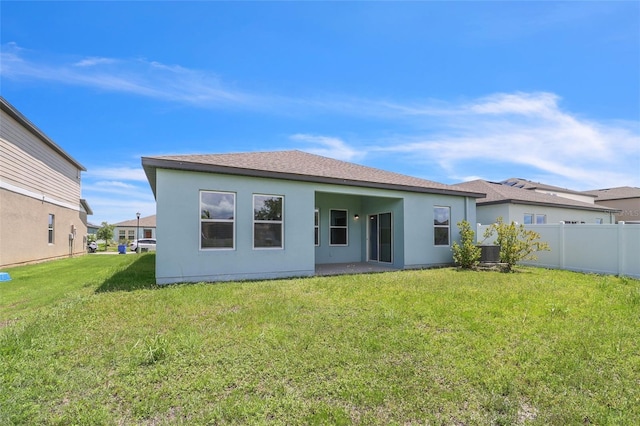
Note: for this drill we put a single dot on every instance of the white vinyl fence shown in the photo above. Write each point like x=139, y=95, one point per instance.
x=602, y=249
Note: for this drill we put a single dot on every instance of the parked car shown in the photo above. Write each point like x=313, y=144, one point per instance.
x=146, y=244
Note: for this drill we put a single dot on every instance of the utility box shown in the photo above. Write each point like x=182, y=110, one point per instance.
x=489, y=254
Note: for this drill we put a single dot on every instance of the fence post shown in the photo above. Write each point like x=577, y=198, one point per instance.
x=620, y=248
x=561, y=244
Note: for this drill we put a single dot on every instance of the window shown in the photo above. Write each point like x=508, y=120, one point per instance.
x=52, y=220
x=541, y=219
x=338, y=228
x=441, y=216
x=316, y=227
x=121, y=235
x=217, y=220
x=268, y=221
x=132, y=234
x=528, y=218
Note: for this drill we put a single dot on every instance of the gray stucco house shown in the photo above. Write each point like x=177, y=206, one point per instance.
x=526, y=205
x=281, y=214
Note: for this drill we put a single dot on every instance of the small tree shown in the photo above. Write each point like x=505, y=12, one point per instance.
x=105, y=233
x=516, y=243
x=467, y=254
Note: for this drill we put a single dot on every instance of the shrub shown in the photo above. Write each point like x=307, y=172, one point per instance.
x=516, y=243
x=466, y=254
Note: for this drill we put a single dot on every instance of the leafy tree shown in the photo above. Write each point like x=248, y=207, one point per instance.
x=105, y=233
x=516, y=243
x=467, y=254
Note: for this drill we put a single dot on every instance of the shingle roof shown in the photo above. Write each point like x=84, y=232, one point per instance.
x=618, y=193
x=497, y=193
x=148, y=221
x=527, y=184
x=298, y=166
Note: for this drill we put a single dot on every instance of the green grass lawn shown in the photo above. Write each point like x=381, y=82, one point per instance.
x=92, y=340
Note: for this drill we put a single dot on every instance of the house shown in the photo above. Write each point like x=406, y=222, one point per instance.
x=42, y=216
x=127, y=230
x=527, y=206
x=280, y=214
x=92, y=229
x=624, y=198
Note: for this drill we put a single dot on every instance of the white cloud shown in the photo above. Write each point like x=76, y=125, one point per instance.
x=91, y=61
x=497, y=134
x=116, y=174
x=135, y=76
x=527, y=129
x=329, y=147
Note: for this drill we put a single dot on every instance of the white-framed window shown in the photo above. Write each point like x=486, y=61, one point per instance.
x=122, y=235
x=528, y=218
x=132, y=235
x=316, y=227
x=51, y=228
x=441, y=224
x=217, y=220
x=268, y=221
x=541, y=219
x=339, y=228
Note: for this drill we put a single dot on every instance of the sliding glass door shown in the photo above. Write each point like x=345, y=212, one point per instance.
x=380, y=239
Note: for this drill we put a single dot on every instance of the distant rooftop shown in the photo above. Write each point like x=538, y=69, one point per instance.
x=149, y=221
x=618, y=193
x=527, y=184
x=498, y=193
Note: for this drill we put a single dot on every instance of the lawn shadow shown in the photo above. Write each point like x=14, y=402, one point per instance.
x=139, y=275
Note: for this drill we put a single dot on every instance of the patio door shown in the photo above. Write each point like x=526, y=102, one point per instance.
x=380, y=239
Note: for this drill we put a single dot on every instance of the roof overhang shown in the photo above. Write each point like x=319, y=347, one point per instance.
x=85, y=206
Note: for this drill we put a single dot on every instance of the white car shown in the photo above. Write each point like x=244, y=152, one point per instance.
x=146, y=244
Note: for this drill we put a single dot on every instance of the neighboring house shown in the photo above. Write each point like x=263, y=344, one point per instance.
x=280, y=214
x=42, y=216
x=92, y=229
x=515, y=204
x=127, y=230
x=543, y=188
x=624, y=198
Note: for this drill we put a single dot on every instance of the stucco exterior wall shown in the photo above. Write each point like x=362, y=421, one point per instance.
x=515, y=212
x=24, y=224
x=180, y=259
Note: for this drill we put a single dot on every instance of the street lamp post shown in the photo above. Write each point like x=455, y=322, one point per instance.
x=138, y=233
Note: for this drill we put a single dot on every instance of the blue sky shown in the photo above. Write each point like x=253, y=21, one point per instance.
x=446, y=91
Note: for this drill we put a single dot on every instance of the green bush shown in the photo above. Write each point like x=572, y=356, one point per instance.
x=516, y=243
x=466, y=254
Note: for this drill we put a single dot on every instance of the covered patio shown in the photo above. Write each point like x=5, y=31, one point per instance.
x=351, y=268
